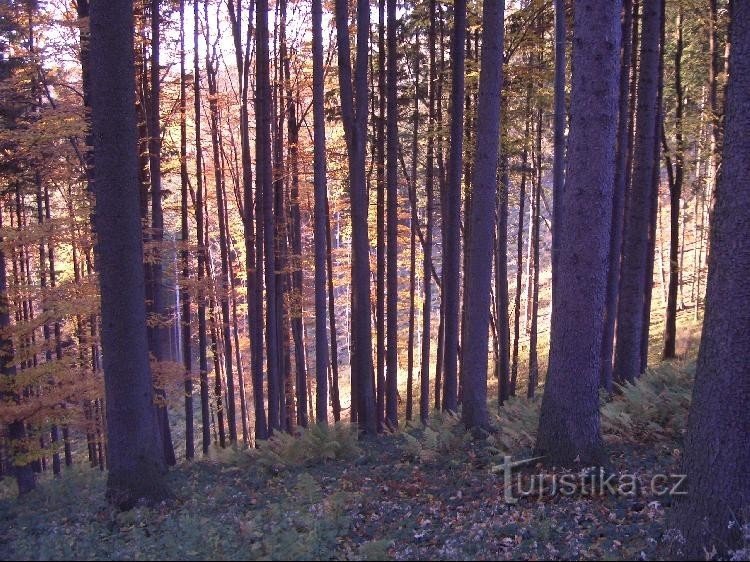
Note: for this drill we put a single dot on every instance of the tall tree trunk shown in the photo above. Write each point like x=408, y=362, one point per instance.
x=675, y=197
x=354, y=114
x=424, y=391
x=202, y=357
x=558, y=166
x=185, y=328
x=321, y=196
x=635, y=249
x=380, y=250
x=569, y=420
x=266, y=199
x=655, y=218
x=414, y=226
x=391, y=374
x=452, y=212
x=482, y=220
x=712, y=513
x=223, y=288
x=502, y=359
x=622, y=175
x=159, y=340
x=135, y=448
x=535, y=219
x=519, y=246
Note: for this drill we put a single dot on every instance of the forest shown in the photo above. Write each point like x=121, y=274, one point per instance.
x=374, y=279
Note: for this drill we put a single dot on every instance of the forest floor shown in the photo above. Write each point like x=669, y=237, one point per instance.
x=419, y=493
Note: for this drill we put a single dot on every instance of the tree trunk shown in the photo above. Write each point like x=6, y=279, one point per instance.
x=354, y=114
x=519, y=250
x=558, y=166
x=714, y=510
x=159, y=340
x=622, y=175
x=675, y=198
x=202, y=357
x=391, y=374
x=452, y=213
x=135, y=448
x=484, y=200
x=535, y=219
x=635, y=249
x=264, y=171
x=424, y=390
x=321, y=196
x=185, y=253
x=569, y=419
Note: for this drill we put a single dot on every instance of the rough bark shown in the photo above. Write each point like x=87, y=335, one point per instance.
x=452, y=213
x=391, y=361
x=482, y=220
x=136, y=456
x=319, y=164
x=635, y=248
x=712, y=513
x=569, y=420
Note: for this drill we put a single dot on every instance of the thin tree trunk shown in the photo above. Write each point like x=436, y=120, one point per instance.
x=635, y=249
x=452, y=213
x=519, y=250
x=391, y=374
x=622, y=175
x=320, y=231
x=670, y=332
x=202, y=357
x=536, y=206
x=424, y=391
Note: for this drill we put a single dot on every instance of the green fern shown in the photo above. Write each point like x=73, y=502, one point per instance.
x=314, y=445
x=654, y=408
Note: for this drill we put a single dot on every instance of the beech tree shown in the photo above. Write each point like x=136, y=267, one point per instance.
x=136, y=460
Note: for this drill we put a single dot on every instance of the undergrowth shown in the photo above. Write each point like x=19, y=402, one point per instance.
x=313, y=445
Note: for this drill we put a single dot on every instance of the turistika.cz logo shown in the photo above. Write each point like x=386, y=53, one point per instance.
x=590, y=481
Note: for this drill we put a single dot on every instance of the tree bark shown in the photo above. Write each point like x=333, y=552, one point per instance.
x=354, y=114
x=484, y=200
x=635, y=249
x=135, y=448
x=452, y=213
x=712, y=513
x=569, y=420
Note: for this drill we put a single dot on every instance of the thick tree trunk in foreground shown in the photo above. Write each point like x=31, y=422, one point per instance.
x=136, y=460
x=482, y=220
x=569, y=420
x=715, y=508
